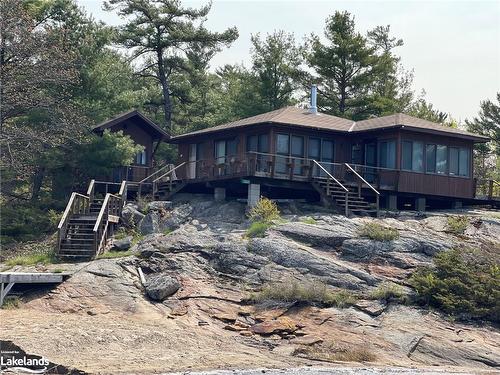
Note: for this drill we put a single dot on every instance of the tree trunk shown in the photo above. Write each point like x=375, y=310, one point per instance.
x=37, y=183
x=167, y=103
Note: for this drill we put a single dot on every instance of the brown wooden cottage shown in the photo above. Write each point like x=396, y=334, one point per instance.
x=396, y=162
x=401, y=159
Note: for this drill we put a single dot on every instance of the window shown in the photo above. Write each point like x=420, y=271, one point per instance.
x=430, y=156
x=314, y=149
x=412, y=156
x=140, y=158
x=356, y=154
x=297, y=150
x=463, y=162
x=441, y=159
x=436, y=159
x=454, y=161
x=283, y=144
x=459, y=161
x=225, y=148
x=387, y=154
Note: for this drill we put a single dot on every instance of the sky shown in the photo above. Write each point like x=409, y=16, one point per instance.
x=453, y=47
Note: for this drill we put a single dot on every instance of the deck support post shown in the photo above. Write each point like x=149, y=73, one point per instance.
x=253, y=194
x=219, y=194
x=392, y=202
x=420, y=204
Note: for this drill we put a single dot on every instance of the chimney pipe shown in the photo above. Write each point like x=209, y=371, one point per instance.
x=313, y=108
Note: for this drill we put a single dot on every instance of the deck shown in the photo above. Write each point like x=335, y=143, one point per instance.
x=8, y=279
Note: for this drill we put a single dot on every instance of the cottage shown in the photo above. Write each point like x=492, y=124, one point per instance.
x=395, y=162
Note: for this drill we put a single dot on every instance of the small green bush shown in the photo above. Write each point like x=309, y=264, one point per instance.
x=311, y=292
x=387, y=291
x=457, y=224
x=257, y=229
x=464, y=283
x=31, y=259
x=377, y=232
x=264, y=211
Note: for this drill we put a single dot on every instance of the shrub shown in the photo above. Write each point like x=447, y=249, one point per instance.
x=258, y=229
x=377, y=232
x=388, y=290
x=457, y=224
x=264, y=211
x=464, y=282
x=332, y=352
x=311, y=292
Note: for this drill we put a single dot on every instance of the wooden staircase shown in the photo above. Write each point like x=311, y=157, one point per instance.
x=89, y=220
x=347, y=199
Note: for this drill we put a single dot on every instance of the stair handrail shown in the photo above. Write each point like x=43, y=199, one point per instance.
x=331, y=177
x=112, y=205
x=154, y=173
x=77, y=204
x=91, y=189
x=169, y=172
x=377, y=193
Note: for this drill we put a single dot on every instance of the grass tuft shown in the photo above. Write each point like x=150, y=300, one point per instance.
x=258, y=229
x=310, y=292
x=11, y=303
x=308, y=220
x=377, y=232
x=389, y=291
x=115, y=254
x=31, y=259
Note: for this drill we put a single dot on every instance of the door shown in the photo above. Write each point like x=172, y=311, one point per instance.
x=192, y=161
x=370, y=161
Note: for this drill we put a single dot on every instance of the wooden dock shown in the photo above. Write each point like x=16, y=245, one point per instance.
x=8, y=279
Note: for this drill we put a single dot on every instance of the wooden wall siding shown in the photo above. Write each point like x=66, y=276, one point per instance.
x=432, y=184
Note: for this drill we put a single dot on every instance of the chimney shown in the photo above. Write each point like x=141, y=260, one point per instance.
x=313, y=108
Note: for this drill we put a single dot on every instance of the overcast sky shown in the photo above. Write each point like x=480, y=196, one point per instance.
x=452, y=46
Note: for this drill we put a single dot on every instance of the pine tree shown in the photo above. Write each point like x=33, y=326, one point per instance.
x=159, y=31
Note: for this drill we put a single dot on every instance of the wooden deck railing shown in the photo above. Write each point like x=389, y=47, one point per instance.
x=110, y=213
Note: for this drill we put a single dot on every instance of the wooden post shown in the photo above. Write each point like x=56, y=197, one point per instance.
x=490, y=189
x=347, y=204
x=378, y=204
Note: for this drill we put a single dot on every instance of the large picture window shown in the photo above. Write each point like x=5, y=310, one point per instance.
x=387, y=154
x=436, y=159
x=412, y=156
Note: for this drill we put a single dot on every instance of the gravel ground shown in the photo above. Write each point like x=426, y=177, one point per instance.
x=327, y=371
